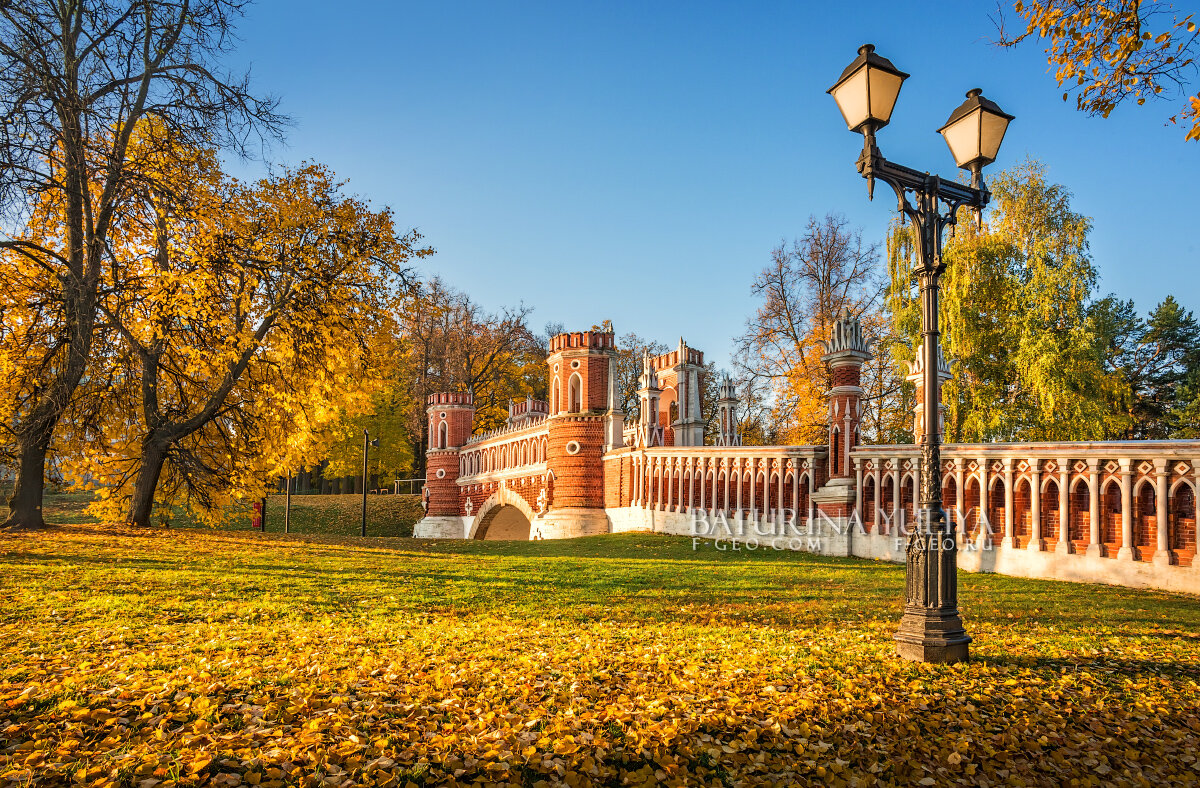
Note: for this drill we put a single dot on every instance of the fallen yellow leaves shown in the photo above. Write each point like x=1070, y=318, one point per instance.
x=200, y=658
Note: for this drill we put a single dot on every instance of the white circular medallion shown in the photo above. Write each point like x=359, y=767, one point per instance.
x=441, y=474
x=572, y=447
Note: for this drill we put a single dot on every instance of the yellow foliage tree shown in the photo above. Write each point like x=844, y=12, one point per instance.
x=77, y=80
x=249, y=321
x=1110, y=51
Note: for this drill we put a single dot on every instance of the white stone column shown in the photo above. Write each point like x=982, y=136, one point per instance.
x=1035, y=507
x=960, y=524
x=1126, y=551
x=753, y=485
x=717, y=480
x=672, y=500
x=858, y=489
x=796, y=490
x=679, y=506
x=1094, y=547
x=1162, y=547
x=691, y=488
x=1195, y=495
x=812, y=481
x=897, y=498
x=982, y=519
x=738, y=510
x=1008, y=504
x=658, y=494
x=779, y=496
x=1064, y=508
x=878, y=490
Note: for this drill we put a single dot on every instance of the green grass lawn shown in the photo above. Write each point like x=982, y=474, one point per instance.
x=200, y=657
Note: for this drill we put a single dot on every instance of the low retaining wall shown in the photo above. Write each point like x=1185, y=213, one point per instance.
x=838, y=537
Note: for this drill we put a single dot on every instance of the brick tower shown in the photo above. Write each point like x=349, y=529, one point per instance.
x=450, y=417
x=585, y=421
x=845, y=353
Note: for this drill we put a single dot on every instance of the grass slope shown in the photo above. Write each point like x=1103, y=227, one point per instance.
x=334, y=515
x=192, y=657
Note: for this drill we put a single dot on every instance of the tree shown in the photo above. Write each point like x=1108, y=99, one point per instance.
x=450, y=343
x=1028, y=361
x=245, y=313
x=1155, y=358
x=77, y=78
x=631, y=349
x=1110, y=51
x=802, y=292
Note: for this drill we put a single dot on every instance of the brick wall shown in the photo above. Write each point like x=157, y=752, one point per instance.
x=578, y=478
x=443, y=492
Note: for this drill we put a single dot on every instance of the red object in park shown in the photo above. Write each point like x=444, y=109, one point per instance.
x=256, y=521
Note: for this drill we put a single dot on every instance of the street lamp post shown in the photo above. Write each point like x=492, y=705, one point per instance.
x=367, y=444
x=931, y=629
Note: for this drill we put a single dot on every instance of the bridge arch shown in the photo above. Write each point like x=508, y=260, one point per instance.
x=504, y=515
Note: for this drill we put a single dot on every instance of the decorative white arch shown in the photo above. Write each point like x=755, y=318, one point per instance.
x=502, y=497
x=1177, y=483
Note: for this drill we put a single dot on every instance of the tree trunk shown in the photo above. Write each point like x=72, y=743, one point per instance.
x=25, y=505
x=141, y=506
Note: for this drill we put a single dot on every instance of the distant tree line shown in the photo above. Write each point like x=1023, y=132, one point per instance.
x=1036, y=354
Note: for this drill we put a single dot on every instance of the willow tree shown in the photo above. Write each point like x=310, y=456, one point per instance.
x=1016, y=312
x=77, y=78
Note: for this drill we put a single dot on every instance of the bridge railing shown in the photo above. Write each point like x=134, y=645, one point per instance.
x=1126, y=500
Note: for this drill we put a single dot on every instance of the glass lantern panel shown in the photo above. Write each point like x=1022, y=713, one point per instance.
x=851, y=98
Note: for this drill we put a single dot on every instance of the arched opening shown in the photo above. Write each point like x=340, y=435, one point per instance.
x=554, y=397
x=1183, y=523
x=868, y=504
x=908, y=501
x=1145, y=521
x=996, y=522
x=835, y=452
x=443, y=435
x=971, y=517
x=887, y=503
x=1022, y=513
x=1110, y=519
x=1050, y=515
x=802, y=516
x=1079, y=523
x=505, y=522
x=575, y=394
x=950, y=500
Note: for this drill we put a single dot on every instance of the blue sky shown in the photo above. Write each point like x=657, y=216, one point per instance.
x=637, y=161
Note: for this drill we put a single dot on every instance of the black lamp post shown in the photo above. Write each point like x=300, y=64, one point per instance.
x=368, y=442
x=931, y=629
